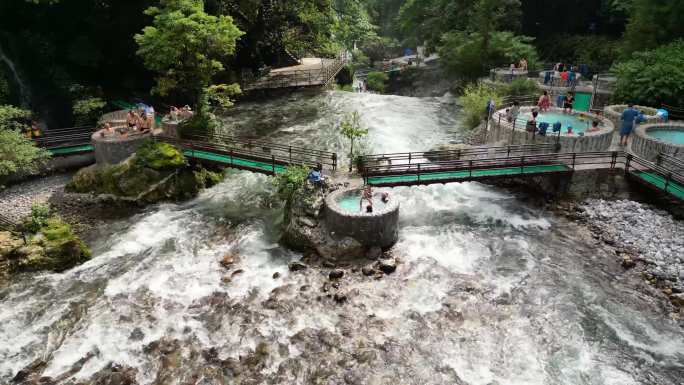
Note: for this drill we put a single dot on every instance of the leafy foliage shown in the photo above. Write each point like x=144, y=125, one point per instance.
x=18, y=154
x=653, y=77
x=652, y=23
x=40, y=213
x=88, y=110
x=599, y=52
x=288, y=182
x=185, y=46
x=376, y=81
x=353, y=130
x=472, y=55
x=159, y=156
x=474, y=101
x=519, y=87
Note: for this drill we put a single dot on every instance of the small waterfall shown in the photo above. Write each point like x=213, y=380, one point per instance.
x=24, y=93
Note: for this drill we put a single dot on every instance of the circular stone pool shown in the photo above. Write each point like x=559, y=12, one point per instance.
x=501, y=131
x=344, y=218
x=650, y=140
x=614, y=113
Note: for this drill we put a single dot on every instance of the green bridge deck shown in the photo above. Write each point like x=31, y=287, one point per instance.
x=71, y=149
x=658, y=181
x=441, y=177
x=235, y=161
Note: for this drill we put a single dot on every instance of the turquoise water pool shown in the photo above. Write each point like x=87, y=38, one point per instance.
x=577, y=123
x=669, y=136
x=351, y=202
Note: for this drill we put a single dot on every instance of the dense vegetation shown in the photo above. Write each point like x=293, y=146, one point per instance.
x=68, y=59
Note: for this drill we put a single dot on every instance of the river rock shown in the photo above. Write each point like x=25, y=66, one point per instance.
x=677, y=299
x=276, y=275
x=297, y=266
x=368, y=270
x=228, y=260
x=336, y=274
x=387, y=266
x=374, y=253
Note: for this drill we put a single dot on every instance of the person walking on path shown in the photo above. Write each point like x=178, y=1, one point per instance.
x=629, y=117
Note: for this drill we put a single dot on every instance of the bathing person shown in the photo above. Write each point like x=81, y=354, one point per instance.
x=569, y=130
x=131, y=120
x=367, y=195
x=629, y=117
x=544, y=102
x=385, y=197
x=515, y=111
x=567, y=104
x=523, y=64
x=532, y=122
x=174, y=113
x=594, y=126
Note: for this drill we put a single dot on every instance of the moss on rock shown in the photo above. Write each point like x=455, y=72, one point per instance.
x=157, y=172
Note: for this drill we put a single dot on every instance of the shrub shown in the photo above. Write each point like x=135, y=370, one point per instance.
x=18, y=154
x=288, y=182
x=40, y=214
x=159, y=156
x=87, y=110
x=519, y=87
x=653, y=77
x=474, y=102
x=376, y=81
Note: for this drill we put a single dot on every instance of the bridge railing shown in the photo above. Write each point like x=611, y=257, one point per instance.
x=671, y=179
x=670, y=162
x=55, y=138
x=265, y=149
x=458, y=154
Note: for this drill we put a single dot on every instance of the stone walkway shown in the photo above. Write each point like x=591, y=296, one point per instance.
x=16, y=200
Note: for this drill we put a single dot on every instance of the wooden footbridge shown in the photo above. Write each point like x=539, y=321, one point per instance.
x=489, y=163
x=312, y=72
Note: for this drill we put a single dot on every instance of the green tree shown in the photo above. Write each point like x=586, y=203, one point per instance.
x=652, y=23
x=474, y=101
x=470, y=56
x=288, y=182
x=376, y=81
x=352, y=130
x=653, y=77
x=185, y=46
x=18, y=155
x=87, y=110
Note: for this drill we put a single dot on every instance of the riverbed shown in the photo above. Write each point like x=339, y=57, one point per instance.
x=489, y=289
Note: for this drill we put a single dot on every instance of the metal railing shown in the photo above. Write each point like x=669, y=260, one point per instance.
x=265, y=152
x=458, y=154
x=672, y=181
x=300, y=78
x=63, y=137
x=670, y=162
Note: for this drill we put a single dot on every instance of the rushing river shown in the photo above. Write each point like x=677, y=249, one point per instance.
x=489, y=289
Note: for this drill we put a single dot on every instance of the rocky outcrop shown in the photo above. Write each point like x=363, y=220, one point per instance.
x=157, y=172
x=446, y=152
x=305, y=229
x=54, y=248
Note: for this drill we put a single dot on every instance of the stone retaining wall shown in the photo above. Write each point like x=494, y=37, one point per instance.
x=649, y=147
x=614, y=113
x=380, y=228
x=115, y=149
x=501, y=130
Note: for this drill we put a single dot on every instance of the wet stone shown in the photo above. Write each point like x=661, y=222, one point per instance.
x=336, y=274
x=136, y=335
x=276, y=275
x=387, y=266
x=297, y=266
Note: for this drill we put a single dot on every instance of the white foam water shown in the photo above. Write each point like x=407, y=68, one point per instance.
x=488, y=290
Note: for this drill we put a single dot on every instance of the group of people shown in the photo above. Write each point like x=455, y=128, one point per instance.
x=367, y=196
x=178, y=114
x=138, y=120
x=33, y=131
x=567, y=75
x=521, y=66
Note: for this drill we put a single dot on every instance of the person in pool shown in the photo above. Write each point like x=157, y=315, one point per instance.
x=544, y=102
x=594, y=126
x=367, y=195
x=569, y=101
x=569, y=130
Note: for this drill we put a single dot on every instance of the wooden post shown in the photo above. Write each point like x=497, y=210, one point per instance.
x=522, y=164
x=574, y=158
x=273, y=164
x=418, y=172
x=628, y=163
x=409, y=158
x=290, y=151
x=667, y=181
x=470, y=168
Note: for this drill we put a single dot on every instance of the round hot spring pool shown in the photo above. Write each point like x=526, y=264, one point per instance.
x=345, y=216
x=580, y=123
x=650, y=140
x=668, y=136
x=351, y=202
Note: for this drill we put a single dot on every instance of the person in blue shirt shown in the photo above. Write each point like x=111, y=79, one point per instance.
x=629, y=117
x=316, y=176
